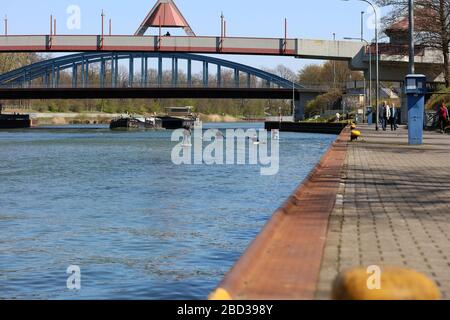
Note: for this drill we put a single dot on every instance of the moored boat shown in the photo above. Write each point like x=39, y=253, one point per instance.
x=178, y=117
x=128, y=122
x=14, y=121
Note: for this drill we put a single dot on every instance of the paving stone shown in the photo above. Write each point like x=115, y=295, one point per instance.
x=396, y=208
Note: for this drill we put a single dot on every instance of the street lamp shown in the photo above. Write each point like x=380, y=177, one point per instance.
x=362, y=25
x=411, y=37
x=377, y=59
x=370, y=74
x=6, y=25
x=334, y=63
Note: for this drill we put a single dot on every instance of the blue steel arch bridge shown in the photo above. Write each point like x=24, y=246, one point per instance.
x=79, y=65
x=44, y=79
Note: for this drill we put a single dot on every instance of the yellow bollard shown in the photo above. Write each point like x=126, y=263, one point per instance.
x=394, y=284
x=355, y=134
x=220, y=294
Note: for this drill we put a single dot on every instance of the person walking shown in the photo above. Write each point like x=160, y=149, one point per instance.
x=393, y=118
x=381, y=113
x=443, y=116
x=385, y=114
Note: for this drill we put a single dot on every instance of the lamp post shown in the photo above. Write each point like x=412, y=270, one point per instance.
x=362, y=25
x=222, y=19
x=411, y=37
x=377, y=59
x=370, y=74
x=103, y=24
x=334, y=64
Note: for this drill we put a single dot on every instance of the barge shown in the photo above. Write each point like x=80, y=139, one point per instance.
x=129, y=122
x=173, y=123
x=306, y=127
x=175, y=118
x=178, y=117
x=14, y=121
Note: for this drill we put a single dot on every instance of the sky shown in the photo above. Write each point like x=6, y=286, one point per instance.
x=317, y=19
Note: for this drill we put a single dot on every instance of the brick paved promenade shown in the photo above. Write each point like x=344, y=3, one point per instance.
x=393, y=208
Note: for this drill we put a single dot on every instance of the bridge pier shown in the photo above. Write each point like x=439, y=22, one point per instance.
x=47, y=79
x=102, y=73
x=86, y=78
x=131, y=72
x=236, y=78
x=189, y=73
x=160, y=67
x=114, y=70
x=52, y=80
x=83, y=81
x=144, y=71
x=219, y=76
x=174, y=72
x=74, y=75
x=299, y=112
x=205, y=74
x=58, y=76
x=300, y=102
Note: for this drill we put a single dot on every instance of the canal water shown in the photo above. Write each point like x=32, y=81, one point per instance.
x=138, y=226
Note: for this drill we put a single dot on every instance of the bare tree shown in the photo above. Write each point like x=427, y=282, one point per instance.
x=432, y=25
x=282, y=71
x=327, y=73
x=11, y=61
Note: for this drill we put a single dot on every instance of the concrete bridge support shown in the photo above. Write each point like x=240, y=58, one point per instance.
x=301, y=100
x=299, y=112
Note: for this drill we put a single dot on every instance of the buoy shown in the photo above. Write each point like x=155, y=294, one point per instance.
x=355, y=134
x=394, y=284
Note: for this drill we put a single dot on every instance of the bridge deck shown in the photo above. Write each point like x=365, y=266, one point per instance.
x=151, y=93
x=314, y=49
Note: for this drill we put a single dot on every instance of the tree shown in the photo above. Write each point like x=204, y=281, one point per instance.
x=328, y=73
x=432, y=24
x=11, y=61
x=323, y=102
x=311, y=74
x=282, y=71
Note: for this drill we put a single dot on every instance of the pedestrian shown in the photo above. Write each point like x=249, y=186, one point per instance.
x=380, y=115
x=338, y=117
x=385, y=114
x=393, y=118
x=443, y=117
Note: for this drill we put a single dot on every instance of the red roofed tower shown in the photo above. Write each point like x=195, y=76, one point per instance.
x=165, y=14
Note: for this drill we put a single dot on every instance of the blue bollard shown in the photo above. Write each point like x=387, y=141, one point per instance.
x=369, y=116
x=415, y=86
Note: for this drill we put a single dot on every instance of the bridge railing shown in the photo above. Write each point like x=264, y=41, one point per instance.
x=126, y=84
x=133, y=85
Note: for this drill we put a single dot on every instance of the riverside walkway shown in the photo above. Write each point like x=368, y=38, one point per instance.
x=392, y=208
x=377, y=201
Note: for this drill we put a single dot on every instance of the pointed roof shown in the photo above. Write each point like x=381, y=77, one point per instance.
x=166, y=14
